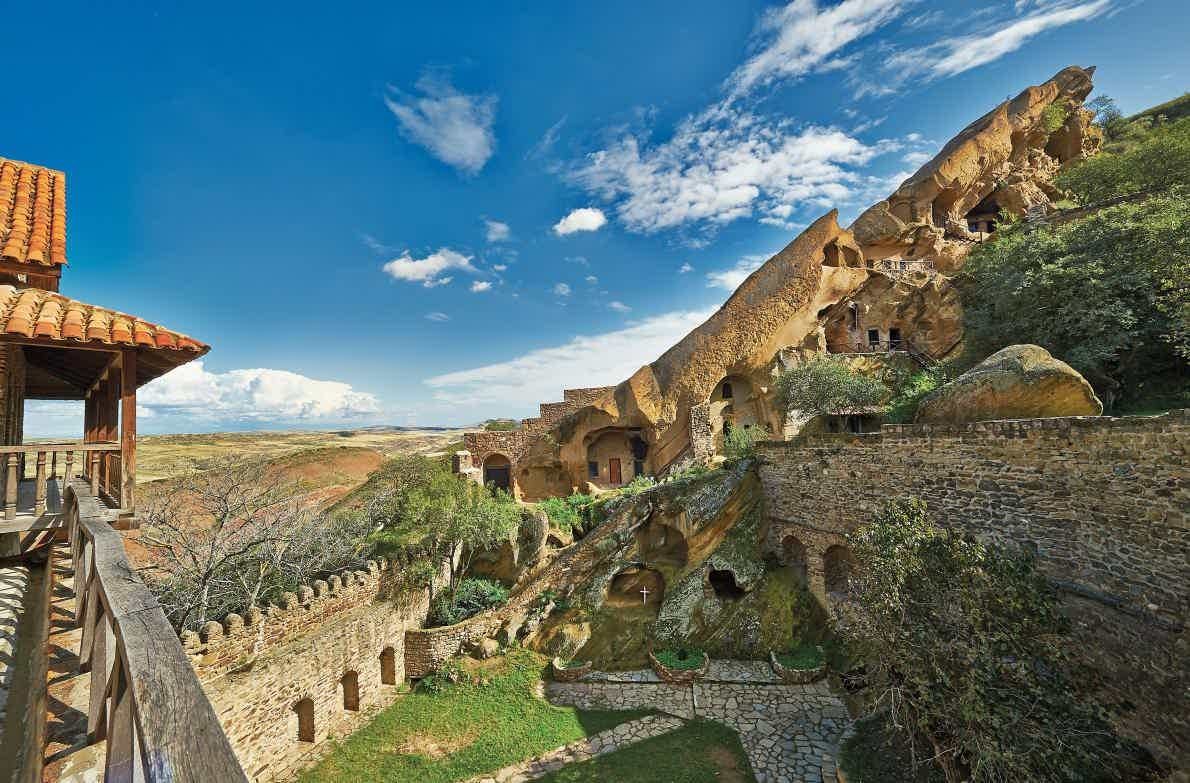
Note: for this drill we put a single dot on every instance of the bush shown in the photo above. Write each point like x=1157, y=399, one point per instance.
x=1158, y=159
x=740, y=443
x=469, y=598
x=1106, y=294
x=908, y=392
x=638, y=485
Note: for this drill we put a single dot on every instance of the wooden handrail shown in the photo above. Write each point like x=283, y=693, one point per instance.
x=33, y=448
x=146, y=701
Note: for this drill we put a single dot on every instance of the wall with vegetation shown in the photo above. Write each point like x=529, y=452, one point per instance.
x=1103, y=501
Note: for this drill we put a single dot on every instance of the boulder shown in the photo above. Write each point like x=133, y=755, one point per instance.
x=1018, y=382
x=486, y=648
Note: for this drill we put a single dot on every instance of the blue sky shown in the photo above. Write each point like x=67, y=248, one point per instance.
x=433, y=215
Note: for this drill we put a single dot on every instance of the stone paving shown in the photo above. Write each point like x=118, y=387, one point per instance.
x=790, y=732
x=608, y=741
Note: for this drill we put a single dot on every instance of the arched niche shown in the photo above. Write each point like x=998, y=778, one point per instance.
x=838, y=566
x=388, y=666
x=662, y=544
x=796, y=557
x=636, y=586
x=723, y=582
x=304, y=711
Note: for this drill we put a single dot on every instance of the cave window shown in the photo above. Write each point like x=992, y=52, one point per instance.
x=350, y=683
x=638, y=467
x=724, y=584
x=894, y=339
x=727, y=392
x=854, y=315
x=592, y=470
x=874, y=338
x=973, y=227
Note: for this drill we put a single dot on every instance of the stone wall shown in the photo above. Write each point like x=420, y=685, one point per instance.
x=1103, y=501
x=257, y=668
x=427, y=649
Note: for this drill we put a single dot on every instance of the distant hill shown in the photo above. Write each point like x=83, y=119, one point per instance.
x=1173, y=110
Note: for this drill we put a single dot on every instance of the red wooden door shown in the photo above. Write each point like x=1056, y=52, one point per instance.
x=613, y=469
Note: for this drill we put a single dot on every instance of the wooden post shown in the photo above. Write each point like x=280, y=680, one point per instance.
x=128, y=431
x=39, y=485
x=68, y=474
x=11, y=487
x=93, y=460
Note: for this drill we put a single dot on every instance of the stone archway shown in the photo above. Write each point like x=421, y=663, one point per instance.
x=838, y=565
x=636, y=586
x=497, y=472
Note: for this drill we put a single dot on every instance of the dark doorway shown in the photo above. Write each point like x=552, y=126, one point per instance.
x=894, y=339
x=497, y=472
x=305, y=717
x=874, y=338
x=615, y=476
x=388, y=667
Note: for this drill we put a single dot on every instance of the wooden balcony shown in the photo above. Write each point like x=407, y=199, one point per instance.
x=32, y=478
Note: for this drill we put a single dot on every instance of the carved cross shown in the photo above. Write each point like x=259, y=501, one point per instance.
x=644, y=595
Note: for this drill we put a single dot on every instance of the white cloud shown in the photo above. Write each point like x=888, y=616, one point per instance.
x=591, y=279
x=499, y=267
x=590, y=360
x=428, y=271
x=252, y=395
x=437, y=317
x=801, y=38
x=684, y=268
x=562, y=289
x=729, y=279
x=584, y=219
x=619, y=307
x=917, y=158
x=495, y=231
x=479, y=286
x=722, y=165
x=962, y=53
x=454, y=127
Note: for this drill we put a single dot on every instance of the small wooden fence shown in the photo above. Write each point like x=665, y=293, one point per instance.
x=146, y=701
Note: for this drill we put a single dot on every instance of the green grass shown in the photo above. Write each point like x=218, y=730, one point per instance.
x=699, y=752
x=681, y=660
x=463, y=730
x=807, y=656
x=875, y=754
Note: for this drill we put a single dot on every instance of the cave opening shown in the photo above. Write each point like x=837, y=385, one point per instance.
x=724, y=584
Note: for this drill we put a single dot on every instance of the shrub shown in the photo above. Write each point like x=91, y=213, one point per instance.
x=469, y=598
x=1106, y=294
x=740, y=443
x=909, y=391
x=638, y=485
x=681, y=659
x=1158, y=159
x=1054, y=116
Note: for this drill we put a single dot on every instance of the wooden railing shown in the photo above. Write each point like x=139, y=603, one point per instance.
x=146, y=701
x=99, y=462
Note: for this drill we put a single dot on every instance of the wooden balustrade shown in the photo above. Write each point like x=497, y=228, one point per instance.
x=50, y=461
x=146, y=701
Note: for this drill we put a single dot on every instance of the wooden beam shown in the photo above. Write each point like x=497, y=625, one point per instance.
x=107, y=371
x=128, y=431
x=35, y=270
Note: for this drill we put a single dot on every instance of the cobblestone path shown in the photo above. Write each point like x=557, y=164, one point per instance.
x=790, y=732
x=596, y=745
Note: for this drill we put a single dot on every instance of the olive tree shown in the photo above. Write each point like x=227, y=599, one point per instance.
x=828, y=385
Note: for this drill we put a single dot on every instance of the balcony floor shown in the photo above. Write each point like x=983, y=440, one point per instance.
x=27, y=518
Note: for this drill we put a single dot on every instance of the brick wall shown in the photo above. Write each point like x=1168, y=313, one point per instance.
x=256, y=668
x=1104, y=501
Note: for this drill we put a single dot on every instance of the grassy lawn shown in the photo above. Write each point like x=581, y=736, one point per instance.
x=463, y=729
x=699, y=752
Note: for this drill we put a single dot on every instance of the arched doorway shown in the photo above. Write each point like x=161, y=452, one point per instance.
x=350, y=684
x=838, y=565
x=304, y=710
x=497, y=472
x=615, y=456
x=793, y=554
x=388, y=666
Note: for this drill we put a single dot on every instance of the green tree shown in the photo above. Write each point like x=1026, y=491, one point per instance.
x=963, y=645
x=1109, y=294
x=828, y=385
x=422, y=504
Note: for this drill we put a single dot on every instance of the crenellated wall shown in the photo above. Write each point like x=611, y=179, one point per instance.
x=256, y=668
x=1104, y=501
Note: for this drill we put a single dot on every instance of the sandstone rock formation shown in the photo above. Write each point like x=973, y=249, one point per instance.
x=1018, y=382
x=882, y=286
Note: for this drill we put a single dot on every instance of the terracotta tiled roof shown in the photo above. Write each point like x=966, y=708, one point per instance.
x=52, y=318
x=32, y=214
